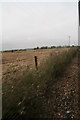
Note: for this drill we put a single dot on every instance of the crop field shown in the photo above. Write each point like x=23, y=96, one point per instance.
x=49, y=92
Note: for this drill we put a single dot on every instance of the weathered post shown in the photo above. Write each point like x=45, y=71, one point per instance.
x=36, y=63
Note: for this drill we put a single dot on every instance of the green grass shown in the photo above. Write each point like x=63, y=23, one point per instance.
x=31, y=96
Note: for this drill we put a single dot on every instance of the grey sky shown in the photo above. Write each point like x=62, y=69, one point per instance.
x=38, y=0
x=27, y=25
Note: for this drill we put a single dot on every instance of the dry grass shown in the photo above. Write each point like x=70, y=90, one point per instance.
x=30, y=95
x=17, y=62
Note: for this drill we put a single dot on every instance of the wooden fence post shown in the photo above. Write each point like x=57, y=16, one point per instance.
x=36, y=63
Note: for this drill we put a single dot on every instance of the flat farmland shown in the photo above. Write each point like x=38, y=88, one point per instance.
x=50, y=92
x=18, y=61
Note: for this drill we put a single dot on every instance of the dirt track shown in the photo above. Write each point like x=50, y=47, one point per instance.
x=68, y=92
x=65, y=103
x=79, y=80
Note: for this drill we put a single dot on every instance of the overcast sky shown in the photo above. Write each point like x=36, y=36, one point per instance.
x=28, y=25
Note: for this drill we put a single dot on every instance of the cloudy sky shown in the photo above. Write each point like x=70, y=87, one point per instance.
x=32, y=24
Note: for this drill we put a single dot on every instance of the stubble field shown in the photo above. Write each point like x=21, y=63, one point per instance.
x=21, y=60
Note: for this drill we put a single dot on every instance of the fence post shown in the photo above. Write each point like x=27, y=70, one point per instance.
x=36, y=63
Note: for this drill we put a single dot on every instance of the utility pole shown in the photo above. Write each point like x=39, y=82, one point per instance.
x=69, y=40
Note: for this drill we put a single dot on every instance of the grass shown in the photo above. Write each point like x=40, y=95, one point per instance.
x=31, y=97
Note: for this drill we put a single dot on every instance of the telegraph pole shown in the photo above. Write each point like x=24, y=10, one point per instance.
x=69, y=40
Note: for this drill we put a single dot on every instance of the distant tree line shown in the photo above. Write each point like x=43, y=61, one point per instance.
x=37, y=48
x=46, y=47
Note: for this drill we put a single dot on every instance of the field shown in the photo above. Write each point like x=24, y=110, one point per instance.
x=49, y=92
x=19, y=61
